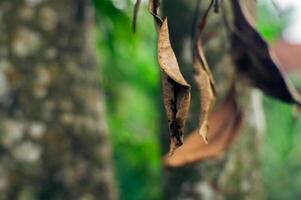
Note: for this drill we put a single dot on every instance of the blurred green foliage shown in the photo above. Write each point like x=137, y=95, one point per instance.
x=130, y=80
x=282, y=140
x=270, y=21
x=281, y=152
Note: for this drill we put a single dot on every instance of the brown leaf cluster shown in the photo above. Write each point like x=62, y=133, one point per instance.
x=253, y=60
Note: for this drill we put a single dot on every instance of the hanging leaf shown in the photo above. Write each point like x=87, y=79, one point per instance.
x=203, y=78
x=176, y=91
x=205, y=85
x=136, y=10
x=225, y=123
x=255, y=61
x=153, y=9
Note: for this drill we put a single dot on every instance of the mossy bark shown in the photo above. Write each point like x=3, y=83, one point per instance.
x=53, y=141
x=237, y=174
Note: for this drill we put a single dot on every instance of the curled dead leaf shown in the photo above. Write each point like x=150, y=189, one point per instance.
x=255, y=61
x=205, y=85
x=176, y=91
x=153, y=9
x=225, y=123
x=203, y=79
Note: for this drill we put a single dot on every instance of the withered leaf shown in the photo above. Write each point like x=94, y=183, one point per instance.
x=255, y=61
x=203, y=78
x=176, y=91
x=205, y=85
x=153, y=9
x=225, y=123
x=135, y=14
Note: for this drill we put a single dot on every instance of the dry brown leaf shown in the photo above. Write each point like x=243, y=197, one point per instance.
x=225, y=123
x=176, y=91
x=204, y=79
x=205, y=85
x=153, y=9
x=255, y=62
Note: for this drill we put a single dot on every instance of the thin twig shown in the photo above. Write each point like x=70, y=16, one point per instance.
x=135, y=14
x=200, y=27
x=217, y=6
x=227, y=25
x=153, y=9
x=195, y=20
x=203, y=21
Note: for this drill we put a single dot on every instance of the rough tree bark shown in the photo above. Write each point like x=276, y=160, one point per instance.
x=237, y=174
x=53, y=142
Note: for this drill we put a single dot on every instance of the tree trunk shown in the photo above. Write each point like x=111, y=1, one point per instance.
x=237, y=174
x=53, y=133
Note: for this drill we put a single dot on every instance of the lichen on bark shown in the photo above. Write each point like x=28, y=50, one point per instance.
x=53, y=141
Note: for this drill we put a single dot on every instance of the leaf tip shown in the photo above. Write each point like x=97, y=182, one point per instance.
x=174, y=144
x=203, y=132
